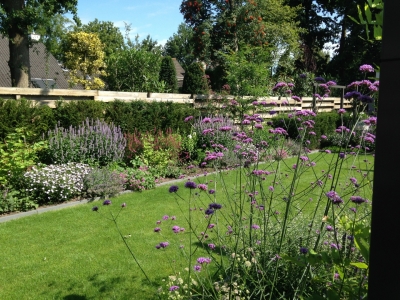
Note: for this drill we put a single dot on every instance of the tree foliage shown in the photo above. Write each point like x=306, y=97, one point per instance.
x=109, y=35
x=180, y=46
x=135, y=68
x=84, y=57
x=195, y=81
x=168, y=74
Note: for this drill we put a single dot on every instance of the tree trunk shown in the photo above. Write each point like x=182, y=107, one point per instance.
x=19, y=47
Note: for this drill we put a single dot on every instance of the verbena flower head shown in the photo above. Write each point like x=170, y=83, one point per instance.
x=190, y=185
x=202, y=186
x=334, y=197
x=319, y=79
x=255, y=226
x=95, y=208
x=157, y=229
x=357, y=199
x=187, y=119
x=203, y=260
x=211, y=192
x=174, y=288
x=303, y=250
x=107, y=202
x=197, y=268
x=173, y=188
x=215, y=206
x=367, y=69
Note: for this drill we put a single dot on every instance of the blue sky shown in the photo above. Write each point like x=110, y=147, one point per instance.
x=159, y=19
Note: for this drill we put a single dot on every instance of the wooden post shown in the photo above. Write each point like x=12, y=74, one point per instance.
x=384, y=272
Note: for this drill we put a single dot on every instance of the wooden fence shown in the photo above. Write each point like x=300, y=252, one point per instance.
x=49, y=97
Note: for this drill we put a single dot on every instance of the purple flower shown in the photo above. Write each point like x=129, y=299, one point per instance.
x=209, y=211
x=353, y=209
x=255, y=226
x=164, y=244
x=303, y=76
x=367, y=68
x=197, y=268
x=203, y=260
x=107, y=202
x=342, y=155
x=173, y=188
x=272, y=112
x=211, y=246
x=329, y=228
x=319, y=79
x=95, y=208
x=341, y=111
x=211, y=191
x=157, y=229
x=187, y=119
x=357, y=199
x=215, y=206
x=211, y=226
x=174, y=288
x=366, y=99
x=303, y=250
x=202, y=186
x=176, y=229
x=323, y=137
x=334, y=197
x=334, y=246
x=165, y=218
x=190, y=185
x=296, y=98
x=271, y=188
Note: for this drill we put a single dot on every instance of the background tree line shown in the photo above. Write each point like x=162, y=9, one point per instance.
x=240, y=47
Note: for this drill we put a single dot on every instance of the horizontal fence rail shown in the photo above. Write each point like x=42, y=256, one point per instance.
x=50, y=97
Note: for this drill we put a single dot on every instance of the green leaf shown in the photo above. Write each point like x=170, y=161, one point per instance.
x=363, y=246
x=359, y=265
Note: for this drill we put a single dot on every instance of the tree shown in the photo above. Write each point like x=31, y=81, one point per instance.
x=133, y=70
x=84, y=57
x=168, y=74
x=54, y=32
x=195, y=81
x=109, y=35
x=223, y=26
x=180, y=46
x=18, y=18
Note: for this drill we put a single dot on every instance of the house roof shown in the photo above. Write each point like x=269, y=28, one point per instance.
x=43, y=66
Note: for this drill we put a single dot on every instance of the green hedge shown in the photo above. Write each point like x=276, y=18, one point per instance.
x=140, y=115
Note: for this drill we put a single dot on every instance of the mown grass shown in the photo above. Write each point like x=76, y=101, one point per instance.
x=75, y=253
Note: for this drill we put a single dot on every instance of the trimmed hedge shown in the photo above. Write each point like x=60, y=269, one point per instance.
x=130, y=116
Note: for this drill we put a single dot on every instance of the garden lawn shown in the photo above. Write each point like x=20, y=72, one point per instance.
x=76, y=253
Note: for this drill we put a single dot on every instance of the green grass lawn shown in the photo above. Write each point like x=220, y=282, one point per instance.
x=75, y=253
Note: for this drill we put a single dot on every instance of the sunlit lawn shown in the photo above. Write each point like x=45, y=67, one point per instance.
x=75, y=253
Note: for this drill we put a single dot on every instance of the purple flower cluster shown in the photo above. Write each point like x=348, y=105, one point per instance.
x=162, y=245
x=190, y=185
x=187, y=119
x=334, y=197
x=202, y=186
x=173, y=188
x=203, y=260
x=367, y=69
x=213, y=155
x=357, y=199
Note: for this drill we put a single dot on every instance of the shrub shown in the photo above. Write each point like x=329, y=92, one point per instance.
x=56, y=183
x=16, y=155
x=93, y=142
x=141, y=116
x=24, y=113
x=103, y=182
x=13, y=200
x=140, y=179
x=74, y=113
x=168, y=74
x=195, y=81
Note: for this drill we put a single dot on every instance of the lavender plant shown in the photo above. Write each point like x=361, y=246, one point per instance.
x=103, y=182
x=93, y=142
